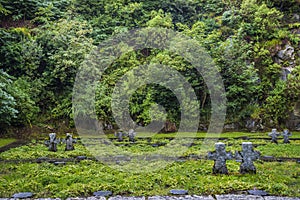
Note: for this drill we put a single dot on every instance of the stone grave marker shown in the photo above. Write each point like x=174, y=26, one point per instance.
x=220, y=156
x=69, y=142
x=131, y=135
x=286, y=134
x=119, y=135
x=274, y=135
x=52, y=142
x=247, y=156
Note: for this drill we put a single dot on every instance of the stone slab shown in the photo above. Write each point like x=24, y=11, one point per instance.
x=88, y=198
x=178, y=192
x=126, y=198
x=186, y=197
x=22, y=195
x=238, y=197
x=102, y=193
x=258, y=192
x=280, y=198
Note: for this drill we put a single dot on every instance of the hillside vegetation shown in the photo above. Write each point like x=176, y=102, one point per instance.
x=254, y=43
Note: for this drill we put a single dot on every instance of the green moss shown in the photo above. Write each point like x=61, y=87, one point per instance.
x=88, y=176
x=6, y=141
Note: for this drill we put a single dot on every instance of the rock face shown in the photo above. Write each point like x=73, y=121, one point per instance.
x=286, y=58
x=169, y=127
x=287, y=53
x=254, y=125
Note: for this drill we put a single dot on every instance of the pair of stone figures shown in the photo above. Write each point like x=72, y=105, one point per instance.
x=131, y=135
x=53, y=142
x=286, y=134
x=246, y=156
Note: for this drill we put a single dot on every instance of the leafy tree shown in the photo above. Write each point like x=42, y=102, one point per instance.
x=7, y=102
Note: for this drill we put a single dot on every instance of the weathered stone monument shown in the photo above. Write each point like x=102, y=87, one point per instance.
x=131, y=135
x=119, y=135
x=274, y=135
x=52, y=142
x=69, y=142
x=286, y=134
x=220, y=156
x=247, y=155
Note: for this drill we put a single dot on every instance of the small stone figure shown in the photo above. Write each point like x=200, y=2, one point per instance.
x=274, y=134
x=69, y=142
x=247, y=156
x=220, y=156
x=52, y=142
x=131, y=135
x=286, y=134
x=119, y=135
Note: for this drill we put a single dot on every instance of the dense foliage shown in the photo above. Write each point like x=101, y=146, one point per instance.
x=42, y=44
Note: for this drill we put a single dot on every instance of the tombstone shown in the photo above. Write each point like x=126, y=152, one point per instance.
x=69, y=142
x=52, y=142
x=274, y=134
x=247, y=155
x=220, y=156
x=119, y=136
x=131, y=135
x=286, y=134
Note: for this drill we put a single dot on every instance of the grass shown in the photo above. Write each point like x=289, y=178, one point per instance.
x=48, y=180
x=194, y=135
x=6, y=141
x=88, y=176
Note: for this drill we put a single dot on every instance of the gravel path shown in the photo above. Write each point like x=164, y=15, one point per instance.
x=186, y=197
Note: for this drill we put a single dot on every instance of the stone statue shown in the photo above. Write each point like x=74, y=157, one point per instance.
x=131, y=135
x=274, y=134
x=286, y=134
x=52, y=142
x=247, y=155
x=220, y=156
x=69, y=142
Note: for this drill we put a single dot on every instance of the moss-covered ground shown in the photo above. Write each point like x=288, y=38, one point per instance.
x=87, y=176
